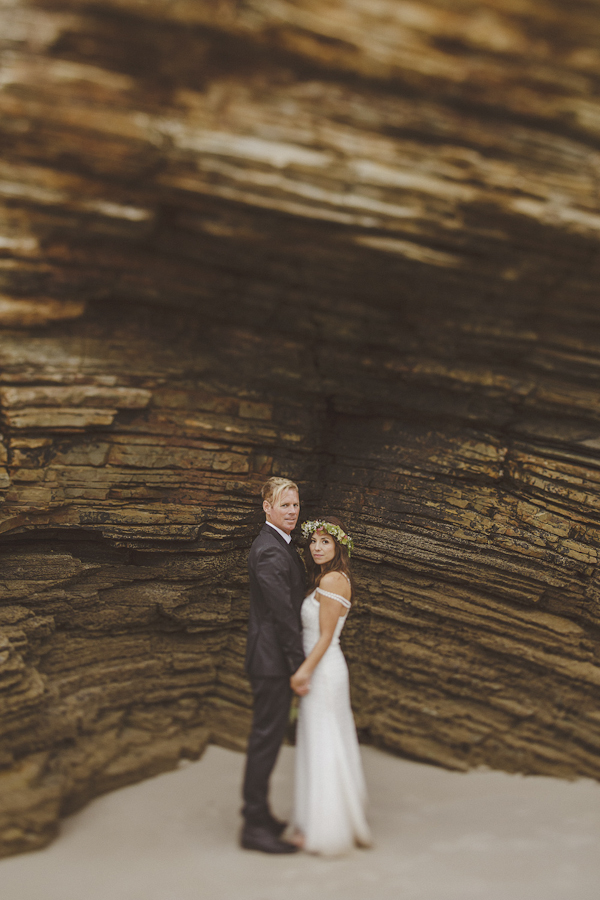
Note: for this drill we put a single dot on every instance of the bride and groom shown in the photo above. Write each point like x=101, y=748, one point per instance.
x=293, y=646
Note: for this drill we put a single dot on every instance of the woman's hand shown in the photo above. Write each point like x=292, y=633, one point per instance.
x=300, y=681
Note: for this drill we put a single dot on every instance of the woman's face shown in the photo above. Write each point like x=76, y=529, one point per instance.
x=322, y=547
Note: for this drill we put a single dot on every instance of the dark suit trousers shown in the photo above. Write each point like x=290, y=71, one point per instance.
x=272, y=698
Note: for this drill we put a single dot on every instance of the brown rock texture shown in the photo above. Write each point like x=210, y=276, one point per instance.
x=354, y=242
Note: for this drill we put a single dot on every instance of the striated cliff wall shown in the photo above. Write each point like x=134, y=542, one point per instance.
x=354, y=242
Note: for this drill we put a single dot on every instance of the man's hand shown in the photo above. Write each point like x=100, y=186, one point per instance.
x=300, y=682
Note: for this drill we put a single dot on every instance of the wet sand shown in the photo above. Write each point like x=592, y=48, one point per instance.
x=438, y=836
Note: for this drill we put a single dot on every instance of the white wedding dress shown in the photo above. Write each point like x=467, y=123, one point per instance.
x=329, y=790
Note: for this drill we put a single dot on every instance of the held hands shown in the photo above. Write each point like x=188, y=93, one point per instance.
x=300, y=682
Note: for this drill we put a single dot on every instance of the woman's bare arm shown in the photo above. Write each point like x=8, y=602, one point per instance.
x=329, y=613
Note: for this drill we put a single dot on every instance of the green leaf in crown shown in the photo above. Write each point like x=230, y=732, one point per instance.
x=334, y=530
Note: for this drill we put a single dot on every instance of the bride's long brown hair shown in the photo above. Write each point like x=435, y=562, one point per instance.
x=339, y=563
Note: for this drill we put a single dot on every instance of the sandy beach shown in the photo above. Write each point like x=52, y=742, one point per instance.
x=438, y=836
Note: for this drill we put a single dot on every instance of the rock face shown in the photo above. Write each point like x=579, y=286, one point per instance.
x=354, y=242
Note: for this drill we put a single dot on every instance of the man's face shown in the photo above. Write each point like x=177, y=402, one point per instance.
x=284, y=513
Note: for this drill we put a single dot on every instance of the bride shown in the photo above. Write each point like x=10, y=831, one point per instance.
x=330, y=791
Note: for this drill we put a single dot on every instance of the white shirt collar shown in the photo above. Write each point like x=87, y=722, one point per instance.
x=287, y=538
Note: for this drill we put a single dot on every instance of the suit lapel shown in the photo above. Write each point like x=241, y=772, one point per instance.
x=296, y=556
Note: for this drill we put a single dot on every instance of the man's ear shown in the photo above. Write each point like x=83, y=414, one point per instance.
x=266, y=506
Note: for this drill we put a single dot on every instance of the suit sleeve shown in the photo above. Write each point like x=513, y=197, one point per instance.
x=273, y=576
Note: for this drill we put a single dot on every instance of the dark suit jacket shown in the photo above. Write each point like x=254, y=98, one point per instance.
x=277, y=589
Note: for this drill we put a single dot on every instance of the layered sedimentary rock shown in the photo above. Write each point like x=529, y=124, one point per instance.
x=352, y=242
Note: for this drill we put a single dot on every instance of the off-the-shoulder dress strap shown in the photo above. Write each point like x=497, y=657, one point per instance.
x=338, y=597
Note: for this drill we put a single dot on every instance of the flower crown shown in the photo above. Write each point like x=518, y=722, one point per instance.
x=334, y=530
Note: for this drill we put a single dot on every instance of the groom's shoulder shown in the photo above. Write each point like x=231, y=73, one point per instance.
x=264, y=539
x=266, y=544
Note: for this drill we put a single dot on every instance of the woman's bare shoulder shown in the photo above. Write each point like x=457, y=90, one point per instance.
x=335, y=582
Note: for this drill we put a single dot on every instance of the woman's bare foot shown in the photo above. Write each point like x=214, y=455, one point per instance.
x=297, y=839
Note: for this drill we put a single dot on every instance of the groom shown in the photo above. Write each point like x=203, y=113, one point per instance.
x=273, y=653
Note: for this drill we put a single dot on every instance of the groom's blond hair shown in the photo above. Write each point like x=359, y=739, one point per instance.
x=273, y=489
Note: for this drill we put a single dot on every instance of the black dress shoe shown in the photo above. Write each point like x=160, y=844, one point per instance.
x=260, y=837
x=276, y=827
